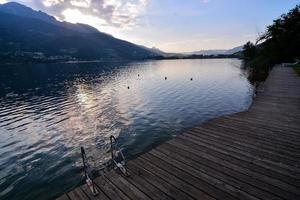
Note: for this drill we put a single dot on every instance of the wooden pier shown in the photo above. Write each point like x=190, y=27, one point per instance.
x=249, y=155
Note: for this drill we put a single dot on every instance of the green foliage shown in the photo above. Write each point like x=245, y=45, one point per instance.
x=280, y=43
x=259, y=68
x=249, y=50
x=282, y=38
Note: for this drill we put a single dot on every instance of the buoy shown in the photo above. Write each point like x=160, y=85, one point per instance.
x=165, y=78
x=191, y=79
x=138, y=74
x=128, y=87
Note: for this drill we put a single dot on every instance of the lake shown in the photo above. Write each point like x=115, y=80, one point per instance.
x=48, y=111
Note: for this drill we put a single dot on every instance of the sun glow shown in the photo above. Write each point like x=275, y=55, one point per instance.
x=75, y=16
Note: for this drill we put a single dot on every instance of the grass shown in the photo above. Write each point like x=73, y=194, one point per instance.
x=259, y=68
x=297, y=69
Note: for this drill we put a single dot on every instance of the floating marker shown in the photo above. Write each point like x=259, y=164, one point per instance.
x=165, y=78
x=138, y=74
x=128, y=87
x=191, y=79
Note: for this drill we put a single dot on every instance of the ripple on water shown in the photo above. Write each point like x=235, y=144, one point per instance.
x=45, y=116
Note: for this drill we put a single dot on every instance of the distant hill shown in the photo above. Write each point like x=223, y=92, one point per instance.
x=162, y=53
x=27, y=34
x=216, y=51
x=234, y=50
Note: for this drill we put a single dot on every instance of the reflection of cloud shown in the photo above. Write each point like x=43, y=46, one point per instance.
x=115, y=13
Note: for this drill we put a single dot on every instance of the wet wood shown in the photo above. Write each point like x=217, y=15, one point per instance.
x=144, y=184
x=129, y=189
x=170, y=190
x=186, y=182
x=252, y=155
x=88, y=192
x=77, y=194
x=110, y=190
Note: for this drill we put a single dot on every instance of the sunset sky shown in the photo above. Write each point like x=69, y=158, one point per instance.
x=171, y=25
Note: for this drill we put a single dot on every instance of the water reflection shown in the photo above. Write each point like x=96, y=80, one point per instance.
x=48, y=111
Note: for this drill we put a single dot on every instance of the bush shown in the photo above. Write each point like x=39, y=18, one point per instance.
x=259, y=68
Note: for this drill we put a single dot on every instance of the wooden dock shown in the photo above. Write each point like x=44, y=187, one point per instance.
x=249, y=155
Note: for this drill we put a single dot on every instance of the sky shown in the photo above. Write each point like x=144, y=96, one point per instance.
x=171, y=25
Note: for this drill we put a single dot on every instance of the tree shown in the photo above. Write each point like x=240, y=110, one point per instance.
x=249, y=50
x=281, y=40
x=280, y=43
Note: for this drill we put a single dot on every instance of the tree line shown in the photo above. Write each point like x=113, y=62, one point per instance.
x=279, y=43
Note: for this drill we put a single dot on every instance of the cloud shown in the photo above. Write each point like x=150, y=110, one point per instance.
x=114, y=13
x=75, y=16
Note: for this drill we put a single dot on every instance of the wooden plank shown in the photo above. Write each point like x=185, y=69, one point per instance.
x=251, y=139
x=231, y=159
x=248, y=125
x=245, y=146
x=181, y=183
x=77, y=194
x=262, y=118
x=206, y=158
x=157, y=181
x=264, y=162
x=109, y=190
x=127, y=188
x=267, y=124
x=152, y=191
x=275, y=111
x=233, y=175
x=277, y=100
x=235, y=187
x=269, y=137
x=199, y=179
x=87, y=191
x=276, y=103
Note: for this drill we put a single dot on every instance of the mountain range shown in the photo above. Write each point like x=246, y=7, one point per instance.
x=28, y=35
x=216, y=51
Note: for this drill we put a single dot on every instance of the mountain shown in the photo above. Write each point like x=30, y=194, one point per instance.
x=234, y=50
x=23, y=11
x=161, y=53
x=216, y=51
x=27, y=34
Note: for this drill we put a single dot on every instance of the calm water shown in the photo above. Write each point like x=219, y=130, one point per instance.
x=48, y=111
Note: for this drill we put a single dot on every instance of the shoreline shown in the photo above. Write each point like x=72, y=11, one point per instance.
x=109, y=61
